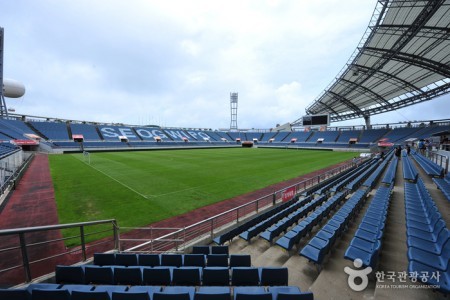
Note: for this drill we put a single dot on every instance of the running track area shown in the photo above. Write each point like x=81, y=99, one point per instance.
x=32, y=203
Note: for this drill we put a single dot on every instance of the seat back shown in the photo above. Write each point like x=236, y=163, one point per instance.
x=89, y=295
x=127, y=275
x=274, y=276
x=247, y=276
x=104, y=259
x=240, y=260
x=171, y=260
x=201, y=250
x=217, y=260
x=156, y=276
x=149, y=260
x=216, y=276
x=98, y=275
x=126, y=259
x=69, y=274
x=194, y=260
x=186, y=276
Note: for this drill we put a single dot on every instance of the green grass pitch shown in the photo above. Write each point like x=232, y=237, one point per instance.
x=142, y=187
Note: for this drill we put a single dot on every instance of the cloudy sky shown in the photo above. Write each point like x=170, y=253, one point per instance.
x=174, y=63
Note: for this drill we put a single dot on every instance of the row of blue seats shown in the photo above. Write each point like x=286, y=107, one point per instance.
x=321, y=243
x=271, y=233
x=326, y=186
x=173, y=260
x=409, y=170
x=366, y=243
x=165, y=276
x=358, y=180
x=322, y=184
x=285, y=213
x=372, y=179
x=444, y=185
x=89, y=292
x=357, y=172
x=430, y=167
x=304, y=227
x=229, y=235
x=427, y=236
x=389, y=175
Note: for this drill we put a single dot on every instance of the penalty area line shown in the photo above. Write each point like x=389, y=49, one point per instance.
x=116, y=180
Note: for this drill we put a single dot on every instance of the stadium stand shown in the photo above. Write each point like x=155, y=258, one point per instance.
x=427, y=237
x=366, y=244
x=55, y=131
x=88, y=131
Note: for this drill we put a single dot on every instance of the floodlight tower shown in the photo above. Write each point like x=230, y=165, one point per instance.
x=8, y=87
x=3, y=109
x=234, y=108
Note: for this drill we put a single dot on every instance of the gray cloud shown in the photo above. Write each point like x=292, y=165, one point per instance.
x=174, y=63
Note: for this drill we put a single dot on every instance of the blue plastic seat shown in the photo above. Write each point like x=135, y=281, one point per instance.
x=128, y=275
x=149, y=260
x=248, y=276
x=175, y=293
x=240, y=260
x=126, y=259
x=439, y=262
x=98, y=275
x=444, y=277
x=130, y=296
x=50, y=294
x=205, y=250
x=104, y=259
x=171, y=260
x=15, y=294
x=367, y=258
x=274, y=276
x=110, y=289
x=216, y=276
x=89, y=295
x=289, y=293
x=69, y=274
x=217, y=260
x=156, y=276
x=251, y=293
x=436, y=248
x=186, y=276
x=212, y=293
x=219, y=250
x=194, y=260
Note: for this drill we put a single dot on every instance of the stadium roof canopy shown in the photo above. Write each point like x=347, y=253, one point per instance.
x=402, y=59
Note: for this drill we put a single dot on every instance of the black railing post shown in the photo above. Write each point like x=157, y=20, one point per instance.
x=26, y=262
x=83, y=243
x=116, y=235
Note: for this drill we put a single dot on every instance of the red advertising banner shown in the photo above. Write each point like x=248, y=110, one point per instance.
x=288, y=194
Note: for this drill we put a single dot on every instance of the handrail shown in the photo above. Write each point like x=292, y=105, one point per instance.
x=197, y=227
x=26, y=255
x=53, y=227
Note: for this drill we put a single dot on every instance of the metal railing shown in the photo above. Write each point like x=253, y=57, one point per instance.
x=159, y=240
x=25, y=255
x=28, y=253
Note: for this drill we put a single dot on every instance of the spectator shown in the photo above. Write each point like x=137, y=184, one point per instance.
x=429, y=147
x=408, y=150
x=398, y=152
x=422, y=147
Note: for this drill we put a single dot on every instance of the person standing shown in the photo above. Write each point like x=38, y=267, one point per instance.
x=398, y=152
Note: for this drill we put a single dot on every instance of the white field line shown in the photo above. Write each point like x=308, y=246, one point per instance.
x=116, y=180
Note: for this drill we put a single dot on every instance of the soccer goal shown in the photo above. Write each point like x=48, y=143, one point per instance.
x=87, y=157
